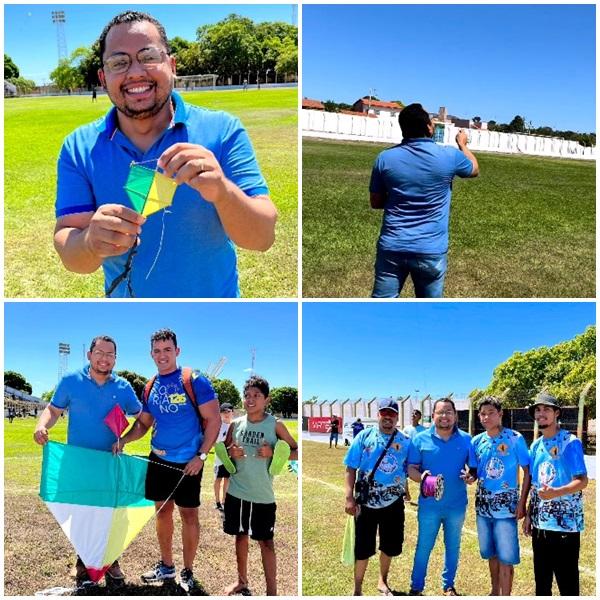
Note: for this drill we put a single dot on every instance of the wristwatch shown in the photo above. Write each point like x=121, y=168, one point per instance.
x=202, y=456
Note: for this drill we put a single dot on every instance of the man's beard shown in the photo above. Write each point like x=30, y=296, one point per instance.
x=543, y=426
x=144, y=113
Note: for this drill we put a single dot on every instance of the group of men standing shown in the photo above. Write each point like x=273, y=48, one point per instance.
x=444, y=459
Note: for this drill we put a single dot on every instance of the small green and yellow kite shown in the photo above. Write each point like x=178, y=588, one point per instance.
x=148, y=190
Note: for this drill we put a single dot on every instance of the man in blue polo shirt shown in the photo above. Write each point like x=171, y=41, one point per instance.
x=443, y=449
x=380, y=506
x=188, y=249
x=498, y=453
x=89, y=395
x=412, y=183
x=184, y=429
x=555, y=514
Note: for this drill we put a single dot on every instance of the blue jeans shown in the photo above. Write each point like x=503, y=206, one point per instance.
x=498, y=538
x=429, y=525
x=427, y=272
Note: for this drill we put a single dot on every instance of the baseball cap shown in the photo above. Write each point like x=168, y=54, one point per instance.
x=545, y=399
x=387, y=403
x=225, y=406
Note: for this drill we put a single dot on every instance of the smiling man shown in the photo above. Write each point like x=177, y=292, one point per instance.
x=221, y=200
x=555, y=515
x=88, y=396
x=443, y=449
x=183, y=409
x=375, y=486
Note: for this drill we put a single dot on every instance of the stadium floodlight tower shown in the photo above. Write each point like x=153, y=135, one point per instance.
x=63, y=359
x=59, y=19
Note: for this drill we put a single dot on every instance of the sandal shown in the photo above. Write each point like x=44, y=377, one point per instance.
x=281, y=454
x=221, y=452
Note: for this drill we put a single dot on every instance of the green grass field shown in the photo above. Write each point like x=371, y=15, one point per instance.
x=323, y=523
x=34, y=129
x=37, y=555
x=524, y=228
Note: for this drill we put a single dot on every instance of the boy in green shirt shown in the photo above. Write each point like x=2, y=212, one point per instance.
x=250, y=503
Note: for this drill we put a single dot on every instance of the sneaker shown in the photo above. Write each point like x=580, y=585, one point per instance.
x=160, y=572
x=114, y=572
x=82, y=579
x=187, y=580
x=412, y=592
x=450, y=591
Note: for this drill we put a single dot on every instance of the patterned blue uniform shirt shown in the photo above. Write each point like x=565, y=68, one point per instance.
x=389, y=482
x=555, y=462
x=498, y=461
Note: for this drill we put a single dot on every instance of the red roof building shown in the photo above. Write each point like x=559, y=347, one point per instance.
x=312, y=104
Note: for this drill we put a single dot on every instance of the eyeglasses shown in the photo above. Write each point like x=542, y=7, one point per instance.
x=444, y=413
x=100, y=354
x=149, y=58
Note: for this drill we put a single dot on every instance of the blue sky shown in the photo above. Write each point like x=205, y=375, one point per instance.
x=30, y=35
x=205, y=333
x=492, y=61
x=362, y=350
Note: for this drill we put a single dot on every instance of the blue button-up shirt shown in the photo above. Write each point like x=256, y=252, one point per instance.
x=442, y=457
x=184, y=251
x=88, y=404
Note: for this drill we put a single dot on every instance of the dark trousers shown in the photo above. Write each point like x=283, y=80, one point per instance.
x=555, y=553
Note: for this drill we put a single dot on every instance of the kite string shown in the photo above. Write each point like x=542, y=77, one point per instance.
x=160, y=244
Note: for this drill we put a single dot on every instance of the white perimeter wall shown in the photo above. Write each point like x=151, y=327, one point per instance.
x=338, y=126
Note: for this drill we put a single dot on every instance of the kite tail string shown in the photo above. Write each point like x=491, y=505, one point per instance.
x=168, y=467
x=162, y=235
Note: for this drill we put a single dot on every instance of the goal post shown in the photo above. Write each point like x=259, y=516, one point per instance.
x=194, y=82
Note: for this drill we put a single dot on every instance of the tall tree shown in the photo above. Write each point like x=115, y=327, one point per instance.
x=226, y=391
x=563, y=369
x=16, y=381
x=284, y=400
x=136, y=380
x=10, y=69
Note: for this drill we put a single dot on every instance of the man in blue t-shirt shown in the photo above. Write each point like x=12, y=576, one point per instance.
x=357, y=427
x=443, y=449
x=378, y=504
x=412, y=183
x=187, y=250
x=498, y=453
x=184, y=429
x=88, y=396
x=555, y=513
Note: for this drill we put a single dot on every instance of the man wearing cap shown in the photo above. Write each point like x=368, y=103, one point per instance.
x=443, y=449
x=376, y=471
x=555, y=515
x=498, y=453
x=221, y=473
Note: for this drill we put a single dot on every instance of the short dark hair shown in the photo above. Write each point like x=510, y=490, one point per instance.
x=490, y=401
x=258, y=382
x=449, y=400
x=416, y=410
x=102, y=338
x=132, y=16
x=163, y=335
x=414, y=121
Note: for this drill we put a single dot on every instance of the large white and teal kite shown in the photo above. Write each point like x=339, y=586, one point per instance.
x=98, y=500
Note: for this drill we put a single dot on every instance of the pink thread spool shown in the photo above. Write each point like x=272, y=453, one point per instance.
x=432, y=486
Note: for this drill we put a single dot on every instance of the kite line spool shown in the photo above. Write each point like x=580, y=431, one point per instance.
x=432, y=486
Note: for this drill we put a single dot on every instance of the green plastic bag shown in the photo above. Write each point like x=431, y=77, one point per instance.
x=348, y=544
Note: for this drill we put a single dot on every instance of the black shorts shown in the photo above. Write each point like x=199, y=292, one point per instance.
x=239, y=512
x=221, y=472
x=389, y=521
x=163, y=476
